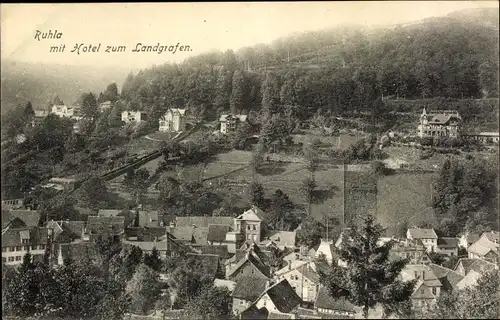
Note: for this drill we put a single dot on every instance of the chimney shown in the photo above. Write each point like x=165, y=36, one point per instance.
x=289, y=265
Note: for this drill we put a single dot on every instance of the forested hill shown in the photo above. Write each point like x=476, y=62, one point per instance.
x=39, y=83
x=342, y=69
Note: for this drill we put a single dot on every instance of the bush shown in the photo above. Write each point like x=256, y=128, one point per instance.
x=142, y=128
x=426, y=154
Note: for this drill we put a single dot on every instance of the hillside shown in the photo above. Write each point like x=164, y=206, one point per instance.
x=22, y=82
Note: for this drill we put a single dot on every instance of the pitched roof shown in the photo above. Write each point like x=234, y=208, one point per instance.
x=41, y=113
x=177, y=110
x=226, y=117
x=279, y=316
x=209, y=261
x=12, y=237
x=196, y=235
x=419, y=233
x=149, y=245
x=108, y=212
x=421, y=272
x=477, y=265
x=492, y=236
x=253, y=259
x=228, y=284
x=483, y=245
x=282, y=238
x=325, y=301
x=447, y=242
x=220, y=250
x=217, y=232
x=97, y=225
x=437, y=117
x=447, y=277
x=283, y=296
x=250, y=288
x=469, y=280
x=29, y=217
x=252, y=214
x=422, y=291
x=309, y=273
x=202, y=221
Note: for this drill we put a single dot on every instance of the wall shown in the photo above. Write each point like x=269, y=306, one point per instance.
x=247, y=270
x=17, y=256
x=239, y=305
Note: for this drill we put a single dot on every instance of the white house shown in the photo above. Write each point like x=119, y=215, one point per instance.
x=229, y=123
x=173, y=120
x=303, y=278
x=133, y=116
x=428, y=237
x=63, y=111
x=326, y=250
x=486, y=247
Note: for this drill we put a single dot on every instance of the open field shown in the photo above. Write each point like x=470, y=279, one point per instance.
x=342, y=141
x=405, y=196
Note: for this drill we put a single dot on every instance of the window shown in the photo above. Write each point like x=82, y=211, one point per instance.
x=18, y=248
x=11, y=259
x=4, y=249
x=434, y=291
x=18, y=258
x=255, y=228
x=451, y=254
x=248, y=227
x=253, y=271
x=241, y=302
x=26, y=248
x=421, y=291
x=33, y=247
x=25, y=241
x=41, y=247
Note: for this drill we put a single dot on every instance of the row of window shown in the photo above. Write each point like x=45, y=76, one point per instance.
x=23, y=248
x=12, y=259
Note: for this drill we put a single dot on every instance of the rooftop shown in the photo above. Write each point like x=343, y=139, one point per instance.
x=250, y=288
x=419, y=233
x=325, y=301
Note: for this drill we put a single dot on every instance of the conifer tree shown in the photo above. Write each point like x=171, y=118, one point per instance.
x=368, y=278
x=237, y=100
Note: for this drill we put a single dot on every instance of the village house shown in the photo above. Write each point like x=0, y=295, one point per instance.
x=413, y=250
x=246, y=291
x=279, y=300
x=217, y=234
x=449, y=279
x=62, y=111
x=444, y=123
x=174, y=120
x=78, y=252
x=282, y=239
x=303, y=278
x=13, y=204
x=427, y=288
x=249, y=223
x=326, y=304
x=229, y=123
x=486, y=247
x=448, y=246
x=66, y=231
x=20, y=219
x=133, y=116
x=428, y=237
x=252, y=262
x=466, y=265
x=99, y=227
x=106, y=105
x=38, y=117
x=19, y=240
x=167, y=247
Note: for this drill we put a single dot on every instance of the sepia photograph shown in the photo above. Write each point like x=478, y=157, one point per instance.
x=250, y=160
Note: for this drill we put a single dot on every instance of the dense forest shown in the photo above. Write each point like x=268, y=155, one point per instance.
x=343, y=70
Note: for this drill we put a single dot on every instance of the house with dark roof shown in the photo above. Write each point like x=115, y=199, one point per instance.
x=210, y=262
x=326, y=304
x=189, y=235
x=443, y=123
x=16, y=242
x=246, y=291
x=448, y=246
x=468, y=238
x=174, y=120
x=20, y=218
x=253, y=264
x=164, y=248
x=99, y=227
x=202, y=221
x=144, y=234
x=220, y=251
x=78, y=252
x=428, y=237
x=278, y=299
x=282, y=239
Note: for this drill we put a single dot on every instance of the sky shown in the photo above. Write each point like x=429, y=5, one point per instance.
x=201, y=26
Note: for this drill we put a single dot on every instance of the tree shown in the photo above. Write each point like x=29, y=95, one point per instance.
x=28, y=111
x=369, y=278
x=237, y=100
x=143, y=289
x=137, y=182
x=307, y=188
x=479, y=301
x=111, y=93
x=241, y=135
x=310, y=232
x=256, y=194
x=271, y=94
x=282, y=216
x=223, y=90
x=153, y=260
x=123, y=265
x=89, y=105
x=93, y=194
x=210, y=303
x=257, y=158
x=169, y=190
x=311, y=154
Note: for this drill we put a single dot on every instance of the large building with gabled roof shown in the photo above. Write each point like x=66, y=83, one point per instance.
x=444, y=123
